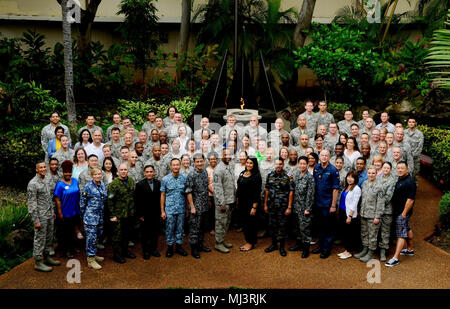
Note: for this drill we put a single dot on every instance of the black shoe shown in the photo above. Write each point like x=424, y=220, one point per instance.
x=282, y=251
x=117, y=258
x=316, y=251
x=272, y=247
x=201, y=247
x=305, y=253
x=297, y=247
x=156, y=253
x=169, y=252
x=146, y=256
x=129, y=255
x=179, y=249
x=194, y=251
x=324, y=255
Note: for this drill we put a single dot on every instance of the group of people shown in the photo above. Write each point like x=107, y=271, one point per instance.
x=349, y=182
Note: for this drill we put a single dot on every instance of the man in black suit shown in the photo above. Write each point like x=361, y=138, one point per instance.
x=147, y=196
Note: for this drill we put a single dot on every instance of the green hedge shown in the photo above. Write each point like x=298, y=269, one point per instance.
x=444, y=210
x=14, y=217
x=20, y=150
x=437, y=146
x=137, y=111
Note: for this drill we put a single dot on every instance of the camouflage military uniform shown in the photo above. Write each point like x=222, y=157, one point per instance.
x=84, y=178
x=121, y=205
x=406, y=154
x=62, y=156
x=92, y=130
x=296, y=133
x=330, y=142
x=372, y=206
x=344, y=127
x=324, y=119
x=115, y=148
x=40, y=208
x=279, y=186
x=311, y=123
x=415, y=140
x=274, y=138
x=92, y=204
x=174, y=207
x=147, y=127
x=303, y=200
x=197, y=185
x=347, y=167
x=115, y=160
x=48, y=133
x=388, y=185
x=108, y=131
x=253, y=132
x=224, y=195
x=136, y=172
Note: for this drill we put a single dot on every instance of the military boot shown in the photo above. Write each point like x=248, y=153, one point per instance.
x=227, y=245
x=282, y=251
x=92, y=263
x=305, y=253
x=367, y=257
x=362, y=253
x=272, y=247
x=221, y=248
x=179, y=249
x=118, y=258
x=169, y=252
x=194, y=251
x=383, y=255
x=201, y=247
x=49, y=261
x=297, y=247
x=40, y=266
x=99, y=258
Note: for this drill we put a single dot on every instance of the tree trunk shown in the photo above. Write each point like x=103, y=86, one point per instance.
x=68, y=69
x=84, y=28
x=304, y=22
x=183, y=43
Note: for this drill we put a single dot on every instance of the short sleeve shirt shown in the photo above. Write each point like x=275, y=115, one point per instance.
x=405, y=189
x=327, y=179
x=69, y=196
x=175, y=189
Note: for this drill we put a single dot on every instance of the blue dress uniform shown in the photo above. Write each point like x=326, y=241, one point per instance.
x=327, y=180
x=279, y=186
x=92, y=204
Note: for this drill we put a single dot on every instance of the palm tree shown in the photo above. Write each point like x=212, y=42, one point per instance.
x=439, y=56
x=68, y=69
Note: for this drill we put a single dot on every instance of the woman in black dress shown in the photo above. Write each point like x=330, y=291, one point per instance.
x=248, y=197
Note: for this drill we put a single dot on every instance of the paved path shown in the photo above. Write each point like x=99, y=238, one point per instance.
x=429, y=268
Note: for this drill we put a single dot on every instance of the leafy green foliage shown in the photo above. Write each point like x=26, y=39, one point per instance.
x=437, y=145
x=14, y=217
x=23, y=103
x=137, y=111
x=444, y=210
x=140, y=31
x=341, y=59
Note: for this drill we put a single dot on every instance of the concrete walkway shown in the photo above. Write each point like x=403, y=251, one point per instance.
x=428, y=269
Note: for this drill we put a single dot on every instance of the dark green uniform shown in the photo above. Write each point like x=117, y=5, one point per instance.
x=121, y=205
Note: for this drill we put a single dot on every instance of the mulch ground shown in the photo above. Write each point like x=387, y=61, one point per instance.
x=428, y=269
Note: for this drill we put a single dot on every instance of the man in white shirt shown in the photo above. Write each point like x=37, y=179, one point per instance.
x=97, y=146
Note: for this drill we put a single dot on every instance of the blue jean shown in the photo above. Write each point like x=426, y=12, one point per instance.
x=174, y=229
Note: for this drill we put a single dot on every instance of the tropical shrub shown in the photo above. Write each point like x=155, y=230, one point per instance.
x=437, y=146
x=14, y=251
x=444, y=210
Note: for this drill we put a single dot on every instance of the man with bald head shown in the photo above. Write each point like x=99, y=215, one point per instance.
x=121, y=212
x=298, y=131
x=97, y=146
x=253, y=129
x=274, y=137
